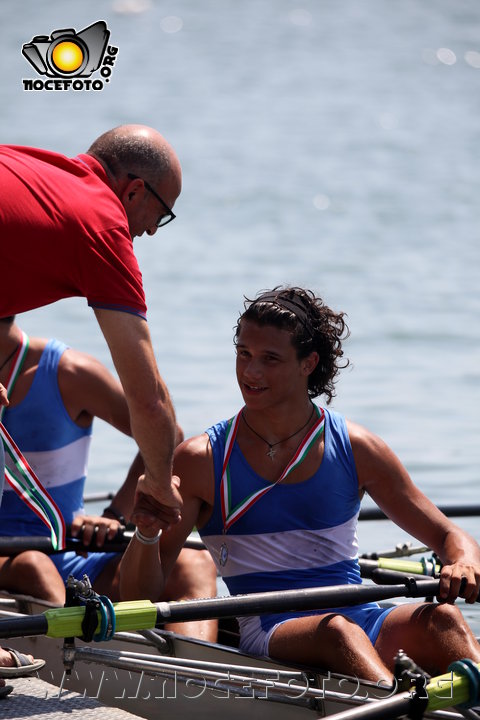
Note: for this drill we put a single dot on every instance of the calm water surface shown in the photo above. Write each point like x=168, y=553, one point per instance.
x=329, y=143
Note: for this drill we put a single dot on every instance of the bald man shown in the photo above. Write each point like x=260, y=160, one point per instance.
x=66, y=229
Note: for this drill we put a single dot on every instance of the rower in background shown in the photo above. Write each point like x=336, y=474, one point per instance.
x=56, y=395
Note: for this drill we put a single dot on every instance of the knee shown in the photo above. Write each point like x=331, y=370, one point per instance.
x=202, y=562
x=36, y=574
x=447, y=618
x=32, y=563
x=194, y=575
x=202, y=572
x=341, y=630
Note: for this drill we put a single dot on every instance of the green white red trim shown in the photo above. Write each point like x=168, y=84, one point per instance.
x=230, y=516
x=24, y=481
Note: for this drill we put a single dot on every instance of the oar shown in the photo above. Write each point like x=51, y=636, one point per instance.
x=375, y=513
x=456, y=687
x=98, y=497
x=401, y=550
x=142, y=614
x=18, y=544
x=365, y=513
x=407, y=567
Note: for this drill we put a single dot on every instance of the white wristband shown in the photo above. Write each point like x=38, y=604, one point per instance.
x=147, y=540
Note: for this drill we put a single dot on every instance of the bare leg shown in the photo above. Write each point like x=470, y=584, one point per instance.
x=32, y=573
x=332, y=642
x=24, y=574
x=432, y=635
x=193, y=576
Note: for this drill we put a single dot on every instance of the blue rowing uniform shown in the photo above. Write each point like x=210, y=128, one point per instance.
x=57, y=450
x=298, y=535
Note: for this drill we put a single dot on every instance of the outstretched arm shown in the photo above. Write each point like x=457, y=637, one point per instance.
x=145, y=568
x=382, y=475
x=152, y=416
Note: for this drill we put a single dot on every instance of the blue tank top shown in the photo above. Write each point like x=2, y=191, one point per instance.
x=55, y=446
x=297, y=535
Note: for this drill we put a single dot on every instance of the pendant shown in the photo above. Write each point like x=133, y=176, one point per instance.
x=223, y=554
x=271, y=452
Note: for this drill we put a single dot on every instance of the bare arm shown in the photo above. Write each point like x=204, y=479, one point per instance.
x=382, y=475
x=89, y=390
x=152, y=416
x=144, y=569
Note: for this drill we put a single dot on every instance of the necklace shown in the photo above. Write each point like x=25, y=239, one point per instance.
x=271, y=452
x=230, y=512
x=8, y=358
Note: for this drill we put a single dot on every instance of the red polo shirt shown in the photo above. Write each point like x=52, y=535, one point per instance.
x=63, y=233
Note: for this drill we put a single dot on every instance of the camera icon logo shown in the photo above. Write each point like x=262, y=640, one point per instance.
x=68, y=54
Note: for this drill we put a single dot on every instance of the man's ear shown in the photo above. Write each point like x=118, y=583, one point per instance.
x=310, y=362
x=133, y=191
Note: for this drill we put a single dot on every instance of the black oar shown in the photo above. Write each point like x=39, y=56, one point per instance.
x=98, y=497
x=142, y=614
x=375, y=513
x=18, y=544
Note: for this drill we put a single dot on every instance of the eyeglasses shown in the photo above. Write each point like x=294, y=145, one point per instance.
x=166, y=217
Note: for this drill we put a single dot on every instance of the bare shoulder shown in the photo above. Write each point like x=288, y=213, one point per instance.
x=364, y=440
x=86, y=370
x=90, y=390
x=193, y=463
x=375, y=461
x=73, y=361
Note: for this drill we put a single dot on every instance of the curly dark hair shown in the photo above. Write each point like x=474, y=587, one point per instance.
x=314, y=328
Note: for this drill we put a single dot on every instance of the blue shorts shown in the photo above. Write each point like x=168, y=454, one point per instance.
x=69, y=563
x=255, y=632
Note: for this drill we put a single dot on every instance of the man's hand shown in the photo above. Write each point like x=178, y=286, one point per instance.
x=155, y=506
x=151, y=514
x=451, y=578
x=94, y=526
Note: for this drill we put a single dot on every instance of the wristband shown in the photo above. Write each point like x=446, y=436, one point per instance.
x=147, y=540
x=118, y=516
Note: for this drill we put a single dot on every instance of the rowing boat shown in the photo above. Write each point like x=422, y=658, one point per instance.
x=147, y=670
x=155, y=672
x=162, y=672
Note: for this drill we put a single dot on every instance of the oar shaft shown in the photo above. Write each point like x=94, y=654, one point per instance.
x=67, y=622
x=142, y=614
x=15, y=545
x=375, y=513
x=98, y=497
x=406, y=567
x=290, y=600
x=23, y=626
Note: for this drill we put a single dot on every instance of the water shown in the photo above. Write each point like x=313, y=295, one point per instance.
x=331, y=144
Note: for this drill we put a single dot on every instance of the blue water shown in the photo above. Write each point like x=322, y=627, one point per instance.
x=329, y=143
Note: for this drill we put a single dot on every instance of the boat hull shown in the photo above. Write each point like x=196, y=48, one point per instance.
x=162, y=674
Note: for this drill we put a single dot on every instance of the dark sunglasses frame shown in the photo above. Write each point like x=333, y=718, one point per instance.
x=163, y=219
